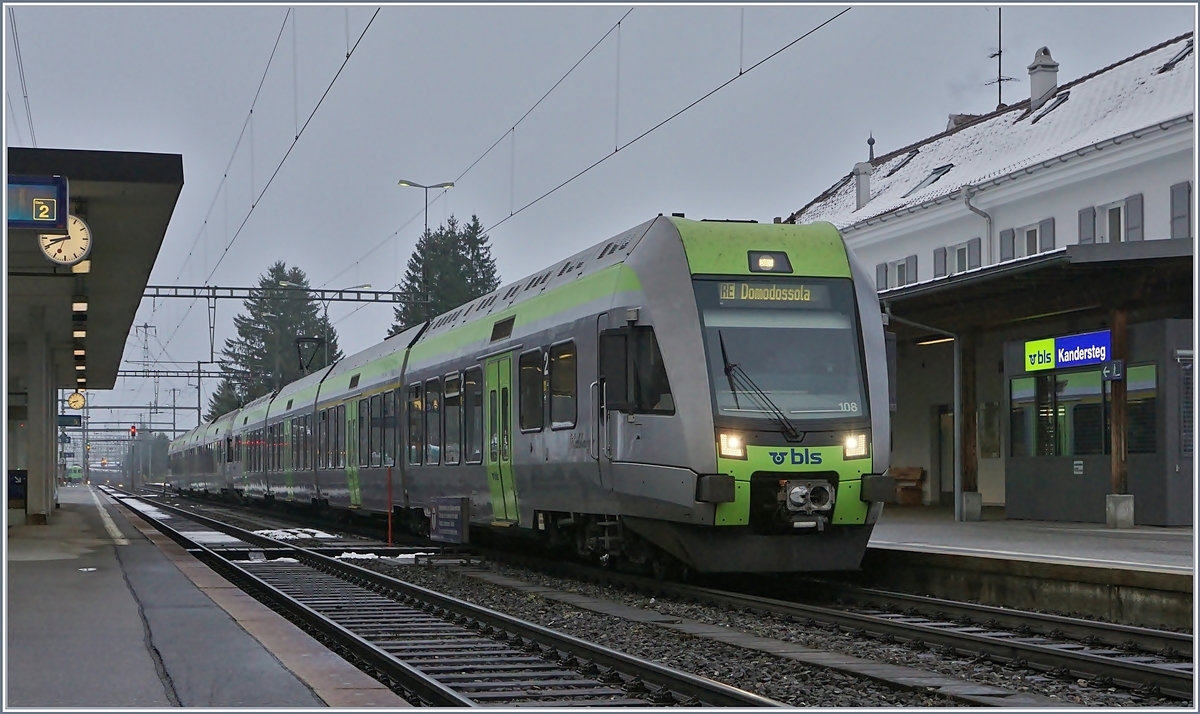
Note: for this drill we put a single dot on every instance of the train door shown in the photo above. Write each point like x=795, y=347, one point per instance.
x=606, y=365
x=498, y=408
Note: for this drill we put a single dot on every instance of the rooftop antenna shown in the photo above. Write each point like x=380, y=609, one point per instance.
x=871, y=146
x=998, y=55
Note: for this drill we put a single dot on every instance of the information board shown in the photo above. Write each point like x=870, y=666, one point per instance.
x=449, y=520
x=38, y=202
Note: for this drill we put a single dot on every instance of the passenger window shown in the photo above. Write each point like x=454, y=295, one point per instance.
x=634, y=373
x=472, y=396
x=340, y=424
x=563, y=381
x=416, y=440
x=453, y=431
x=377, y=430
x=389, y=429
x=364, y=440
x=531, y=391
x=433, y=422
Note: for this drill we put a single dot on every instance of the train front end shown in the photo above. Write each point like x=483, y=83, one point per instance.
x=796, y=360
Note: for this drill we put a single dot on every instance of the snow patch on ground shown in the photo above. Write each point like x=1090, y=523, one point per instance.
x=295, y=534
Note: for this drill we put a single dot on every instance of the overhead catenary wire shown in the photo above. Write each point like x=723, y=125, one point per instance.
x=282, y=161
x=662, y=123
x=489, y=150
x=12, y=113
x=12, y=23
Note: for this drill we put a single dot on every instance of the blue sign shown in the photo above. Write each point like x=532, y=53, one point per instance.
x=449, y=520
x=1080, y=350
x=38, y=202
x=1069, y=351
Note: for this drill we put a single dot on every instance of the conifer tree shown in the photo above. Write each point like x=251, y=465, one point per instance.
x=263, y=357
x=454, y=264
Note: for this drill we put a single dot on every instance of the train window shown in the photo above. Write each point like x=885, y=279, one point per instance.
x=377, y=430
x=562, y=386
x=502, y=329
x=472, y=397
x=339, y=424
x=532, y=392
x=637, y=384
x=453, y=431
x=388, y=426
x=364, y=433
x=416, y=439
x=322, y=440
x=237, y=448
x=229, y=452
x=433, y=421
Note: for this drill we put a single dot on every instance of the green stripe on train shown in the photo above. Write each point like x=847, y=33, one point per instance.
x=719, y=248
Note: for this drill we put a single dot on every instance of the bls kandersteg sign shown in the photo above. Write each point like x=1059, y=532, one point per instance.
x=1069, y=351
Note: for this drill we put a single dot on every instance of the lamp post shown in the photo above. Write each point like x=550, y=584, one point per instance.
x=424, y=263
x=325, y=303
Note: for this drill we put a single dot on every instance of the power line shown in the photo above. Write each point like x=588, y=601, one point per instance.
x=12, y=21
x=275, y=173
x=300, y=133
x=670, y=118
x=12, y=113
x=482, y=156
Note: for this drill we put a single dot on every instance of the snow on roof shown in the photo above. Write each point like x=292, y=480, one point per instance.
x=1132, y=94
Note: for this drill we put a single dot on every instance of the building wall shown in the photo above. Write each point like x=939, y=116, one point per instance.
x=1149, y=166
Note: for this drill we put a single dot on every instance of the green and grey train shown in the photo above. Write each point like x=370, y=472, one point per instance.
x=711, y=394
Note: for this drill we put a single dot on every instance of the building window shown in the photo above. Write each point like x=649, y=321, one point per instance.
x=563, y=384
x=897, y=274
x=532, y=393
x=472, y=398
x=931, y=179
x=957, y=259
x=1110, y=223
x=1027, y=241
x=452, y=407
x=1070, y=413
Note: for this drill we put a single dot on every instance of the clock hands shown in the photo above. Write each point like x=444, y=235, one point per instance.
x=59, y=239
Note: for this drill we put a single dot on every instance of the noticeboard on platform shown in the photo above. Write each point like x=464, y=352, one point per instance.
x=38, y=202
x=449, y=519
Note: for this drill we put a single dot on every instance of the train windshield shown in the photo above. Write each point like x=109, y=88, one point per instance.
x=785, y=347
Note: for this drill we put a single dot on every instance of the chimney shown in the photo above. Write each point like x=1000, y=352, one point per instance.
x=1043, y=78
x=862, y=183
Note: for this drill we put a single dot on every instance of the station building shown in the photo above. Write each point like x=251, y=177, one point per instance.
x=67, y=319
x=1047, y=249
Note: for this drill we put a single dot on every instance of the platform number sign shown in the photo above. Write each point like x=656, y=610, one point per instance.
x=37, y=202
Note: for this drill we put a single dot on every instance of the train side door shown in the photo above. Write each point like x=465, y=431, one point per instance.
x=497, y=409
x=609, y=394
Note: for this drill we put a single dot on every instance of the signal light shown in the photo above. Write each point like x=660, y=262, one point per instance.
x=133, y=432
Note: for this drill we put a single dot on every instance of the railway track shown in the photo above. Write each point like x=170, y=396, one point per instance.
x=1106, y=654
x=439, y=650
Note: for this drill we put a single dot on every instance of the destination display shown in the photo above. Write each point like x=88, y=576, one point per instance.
x=37, y=202
x=1068, y=351
x=751, y=294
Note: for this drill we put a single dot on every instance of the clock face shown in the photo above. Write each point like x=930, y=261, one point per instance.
x=71, y=248
x=76, y=400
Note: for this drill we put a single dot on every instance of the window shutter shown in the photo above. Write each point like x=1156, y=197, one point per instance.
x=1181, y=210
x=974, y=253
x=910, y=267
x=1133, y=218
x=881, y=277
x=1087, y=225
x=1007, y=249
x=1046, y=235
x=939, y=262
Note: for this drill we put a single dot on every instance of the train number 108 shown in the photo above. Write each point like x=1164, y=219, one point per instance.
x=851, y=407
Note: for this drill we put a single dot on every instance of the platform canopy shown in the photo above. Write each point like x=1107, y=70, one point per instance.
x=1151, y=279
x=127, y=200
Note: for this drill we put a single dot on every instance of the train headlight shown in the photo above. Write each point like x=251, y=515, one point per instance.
x=855, y=446
x=733, y=446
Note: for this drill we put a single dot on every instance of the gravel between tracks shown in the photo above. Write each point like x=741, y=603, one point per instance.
x=775, y=677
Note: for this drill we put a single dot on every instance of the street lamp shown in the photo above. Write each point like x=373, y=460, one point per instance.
x=364, y=286
x=424, y=271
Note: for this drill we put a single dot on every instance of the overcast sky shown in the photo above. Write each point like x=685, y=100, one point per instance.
x=429, y=89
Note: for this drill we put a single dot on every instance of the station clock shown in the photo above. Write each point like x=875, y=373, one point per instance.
x=68, y=249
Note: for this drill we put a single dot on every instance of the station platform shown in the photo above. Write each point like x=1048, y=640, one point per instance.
x=104, y=611
x=932, y=529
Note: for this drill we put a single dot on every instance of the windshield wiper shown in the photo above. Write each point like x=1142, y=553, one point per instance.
x=738, y=377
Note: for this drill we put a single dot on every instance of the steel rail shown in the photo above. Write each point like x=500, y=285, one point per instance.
x=1054, y=657
x=1116, y=635
x=687, y=686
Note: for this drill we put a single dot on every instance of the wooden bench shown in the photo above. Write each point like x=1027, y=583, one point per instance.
x=909, y=484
